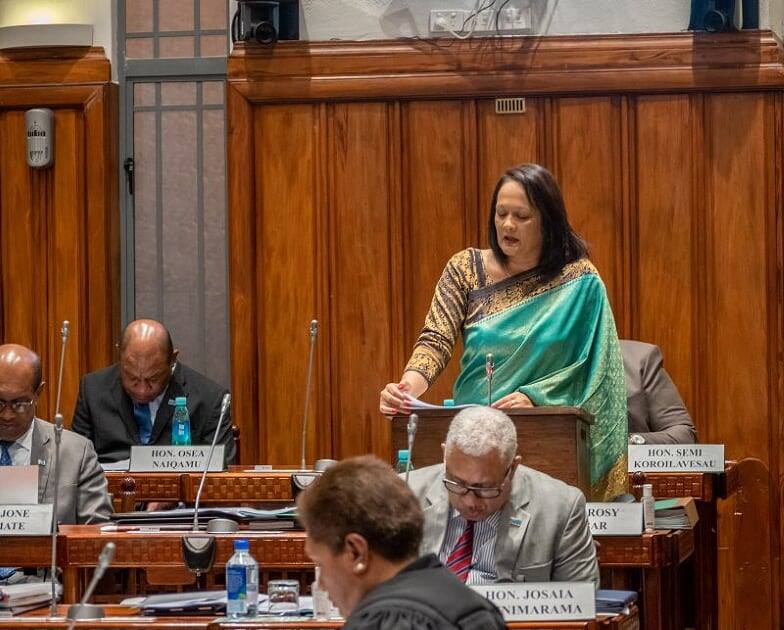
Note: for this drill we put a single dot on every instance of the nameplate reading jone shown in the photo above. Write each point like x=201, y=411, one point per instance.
x=175, y=458
x=542, y=601
x=707, y=458
x=614, y=519
x=26, y=520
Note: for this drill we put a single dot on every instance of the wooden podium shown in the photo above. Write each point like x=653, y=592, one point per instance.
x=553, y=440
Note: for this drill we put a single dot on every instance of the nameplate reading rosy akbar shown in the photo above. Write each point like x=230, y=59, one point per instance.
x=174, y=458
x=614, y=519
x=707, y=458
x=545, y=601
x=26, y=520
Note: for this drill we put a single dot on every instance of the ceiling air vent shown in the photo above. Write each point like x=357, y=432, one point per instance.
x=510, y=105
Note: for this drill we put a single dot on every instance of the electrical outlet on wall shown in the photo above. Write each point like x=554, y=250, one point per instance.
x=511, y=21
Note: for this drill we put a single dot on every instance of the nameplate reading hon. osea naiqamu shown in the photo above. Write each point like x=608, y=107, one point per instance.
x=707, y=458
x=541, y=601
x=614, y=519
x=26, y=520
x=175, y=458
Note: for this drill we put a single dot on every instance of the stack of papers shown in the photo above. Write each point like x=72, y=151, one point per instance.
x=240, y=514
x=207, y=603
x=614, y=602
x=417, y=405
x=18, y=598
x=678, y=513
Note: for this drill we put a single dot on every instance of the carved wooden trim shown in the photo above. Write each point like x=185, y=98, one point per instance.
x=58, y=65
x=306, y=71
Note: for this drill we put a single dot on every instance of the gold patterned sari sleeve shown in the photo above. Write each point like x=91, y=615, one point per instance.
x=444, y=321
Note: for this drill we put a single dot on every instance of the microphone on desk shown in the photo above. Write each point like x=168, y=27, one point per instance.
x=489, y=368
x=413, y=420
x=58, y=433
x=83, y=610
x=304, y=477
x=199, y=551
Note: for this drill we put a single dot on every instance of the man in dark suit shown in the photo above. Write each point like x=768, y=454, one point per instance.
x=131, y=402
x=656, y=411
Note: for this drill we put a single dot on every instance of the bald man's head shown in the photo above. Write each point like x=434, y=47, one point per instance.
x=20, y=384
x=147, y=359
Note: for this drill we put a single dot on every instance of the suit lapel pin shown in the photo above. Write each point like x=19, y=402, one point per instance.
x=42, y=462
x=515, y=522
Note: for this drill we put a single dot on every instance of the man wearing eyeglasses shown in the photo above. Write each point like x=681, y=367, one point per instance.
x=490, y=519
x=25, y=439
x=131, y=402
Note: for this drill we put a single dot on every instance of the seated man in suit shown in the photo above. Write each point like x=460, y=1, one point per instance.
x=131, y=402
x=656, y=411
x=24, y=440
x=490, y=519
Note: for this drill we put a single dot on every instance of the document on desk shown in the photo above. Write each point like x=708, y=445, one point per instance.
x=18, y=485
x=418, y=405
x=243, y=514
x=120, y=466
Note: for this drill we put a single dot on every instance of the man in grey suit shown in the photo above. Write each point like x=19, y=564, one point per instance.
x=25, y=439
x=656, y=411
x=131, y=401
x=489, y=519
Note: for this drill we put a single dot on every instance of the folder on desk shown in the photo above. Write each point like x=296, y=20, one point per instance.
x=185, y=515
x=614, y=602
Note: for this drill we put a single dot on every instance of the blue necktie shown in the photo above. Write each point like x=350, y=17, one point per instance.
x=5, y=455
x=5, y=460
x=141, y=411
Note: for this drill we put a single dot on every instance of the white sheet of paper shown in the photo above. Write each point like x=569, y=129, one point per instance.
x=421, y=404
x=18, y=485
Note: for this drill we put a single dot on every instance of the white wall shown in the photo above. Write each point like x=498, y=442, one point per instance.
x=99, y=13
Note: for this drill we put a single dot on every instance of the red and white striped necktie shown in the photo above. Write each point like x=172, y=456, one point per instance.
x=459, y=561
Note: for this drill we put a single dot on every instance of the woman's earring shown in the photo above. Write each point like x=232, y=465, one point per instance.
x=360, y=567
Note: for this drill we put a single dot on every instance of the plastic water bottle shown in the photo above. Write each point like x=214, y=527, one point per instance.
x=181, y=423
x=242, y=582
x=402, y=461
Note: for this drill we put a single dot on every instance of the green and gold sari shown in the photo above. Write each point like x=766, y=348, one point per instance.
x=554, y=341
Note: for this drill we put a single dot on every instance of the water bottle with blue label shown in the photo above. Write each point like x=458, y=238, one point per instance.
x=242, y=582
x=181, y=423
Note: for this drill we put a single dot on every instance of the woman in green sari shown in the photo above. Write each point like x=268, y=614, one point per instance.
x=535, y=302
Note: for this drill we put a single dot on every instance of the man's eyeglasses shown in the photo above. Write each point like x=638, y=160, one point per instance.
x=455, y=487
x=17, y=406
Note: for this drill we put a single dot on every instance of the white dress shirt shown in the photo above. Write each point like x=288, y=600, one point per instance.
x=21, y=448
x=483, y=569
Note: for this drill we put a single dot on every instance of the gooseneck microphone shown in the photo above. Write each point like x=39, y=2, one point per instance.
x=58, y=432
x=489, y=368
x=413, y=420
x=308, y=384
x=83, y=610
x=199, y=551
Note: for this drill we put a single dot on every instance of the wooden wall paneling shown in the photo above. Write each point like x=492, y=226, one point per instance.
x=439, y=175
x=776, y=366
x=102, y=226
x=287, y=272
x=738, y=158
x=24, y=241
x=360, y=275
x=587, y=165
x=245, y=340
x=663, y=254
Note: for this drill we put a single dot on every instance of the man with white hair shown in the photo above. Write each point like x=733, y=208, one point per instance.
x=490, y=519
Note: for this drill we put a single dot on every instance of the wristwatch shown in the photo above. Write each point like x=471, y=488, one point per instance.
x=636, y=438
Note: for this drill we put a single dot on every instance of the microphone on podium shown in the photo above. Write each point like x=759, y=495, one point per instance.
x=83, y=610
x=58, y=433
x=304, y=477
x=199, y=551
x=489, y=368
x=413, y=420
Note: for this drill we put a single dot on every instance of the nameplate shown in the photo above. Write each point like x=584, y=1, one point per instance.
x=543, y=601
x=708, y=458
x=614, y=519
x=175, y=458
x=26, y=520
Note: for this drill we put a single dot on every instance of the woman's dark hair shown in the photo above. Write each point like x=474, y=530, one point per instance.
x=363, y=495
x=560, y=243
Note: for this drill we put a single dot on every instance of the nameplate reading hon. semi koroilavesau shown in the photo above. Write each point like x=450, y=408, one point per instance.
x=26, y=520
x=174, y=458
x=542, y=601
x=614, y=519
x=707, y=458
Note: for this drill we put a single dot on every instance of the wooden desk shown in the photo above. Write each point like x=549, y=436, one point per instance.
x=162, y=551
